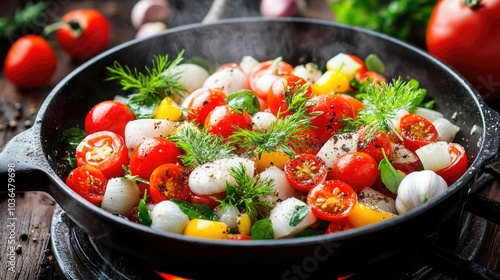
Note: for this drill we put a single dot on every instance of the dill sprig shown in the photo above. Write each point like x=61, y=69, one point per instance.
x=247, y=193
x=151, y=86
x=200, y=146
x=381, y=103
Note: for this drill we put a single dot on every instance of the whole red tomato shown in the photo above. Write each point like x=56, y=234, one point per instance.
x=30, y=62
x=108, y=115
x=86, y=33
x=467, y=38
x=89, y=182
x=151, y=153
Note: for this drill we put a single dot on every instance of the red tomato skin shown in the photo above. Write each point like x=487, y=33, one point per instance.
x=207, y=200
x=347, y=198
x=224, y=121
x=375, y=144
x=108, y=115
x=333, y=109
x=95, y=36
x=30, y=62
x=151, y=153
x=169, y=181
x=305, y=171
x=111, y=165
x=358, y=169
x=355, y=103
x=417, y=131
x=88, y=182
x=203, y=102
x=468, y=39
x=276, y=97
x=265, y=68
x=459, y=164
x=338, y=226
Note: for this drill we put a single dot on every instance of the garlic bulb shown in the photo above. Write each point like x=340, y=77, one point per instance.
x=417, y=188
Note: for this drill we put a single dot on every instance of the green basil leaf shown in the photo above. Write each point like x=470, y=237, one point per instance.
x=374, y=64
x=143, y=213
x=142, y=106
x=262, y=229
x=244, y=100
x=196, y=211
x=389, y=175
x=298, y=215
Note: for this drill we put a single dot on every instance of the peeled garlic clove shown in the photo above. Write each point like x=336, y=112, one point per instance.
x=150, y=29
x=150, y=11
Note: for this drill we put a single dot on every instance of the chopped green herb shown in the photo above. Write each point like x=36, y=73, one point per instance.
x=262, y=229
x=298, y=215
x=143, y=211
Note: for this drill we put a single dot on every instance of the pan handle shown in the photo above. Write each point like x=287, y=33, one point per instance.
x=22, y=164
x=480, y=204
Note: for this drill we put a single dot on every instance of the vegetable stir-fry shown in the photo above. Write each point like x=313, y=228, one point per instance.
x=263, y=149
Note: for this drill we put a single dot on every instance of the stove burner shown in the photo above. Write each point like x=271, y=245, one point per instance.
x=79, y=257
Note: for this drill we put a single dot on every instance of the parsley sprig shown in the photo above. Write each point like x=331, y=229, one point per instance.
x=151, y=86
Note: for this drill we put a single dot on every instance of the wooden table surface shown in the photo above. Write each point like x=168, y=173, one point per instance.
x=34, y=210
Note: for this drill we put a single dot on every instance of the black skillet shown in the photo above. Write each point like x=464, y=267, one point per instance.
x=38, y=153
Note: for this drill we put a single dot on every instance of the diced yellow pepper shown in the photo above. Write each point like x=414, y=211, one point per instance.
x=363, y=215
x=331, y=81
x=244, y=224
x=268, y=159
x=168, y=109
x=206, y=229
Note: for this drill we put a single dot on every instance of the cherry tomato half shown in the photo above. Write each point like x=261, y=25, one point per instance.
x=224, y=121
x=417, y=131
x=88, y=182
x=305, y=171
x=332, y=200
x=169, y=181
x=264, y=74
x=282, y=88
x=104, y=150
x=108, y=115
x=358, y=169
x=151, y=153
x=459, y=164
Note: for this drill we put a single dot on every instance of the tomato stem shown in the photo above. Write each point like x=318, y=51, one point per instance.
x=471, y=3
x=73, y=24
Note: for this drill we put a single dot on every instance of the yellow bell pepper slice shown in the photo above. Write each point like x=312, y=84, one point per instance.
x=331, y=81
x=206, y=229
x=268, y=159
x=244, y=224
x=363, y=215
x=168, y=109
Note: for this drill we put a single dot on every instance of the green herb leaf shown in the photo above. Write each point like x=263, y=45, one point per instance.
x=73, y=136
x=298, y=215
x=389, y=175
x=23, y=18
x=243, y=100
x=143, y=212
x=196, y=211
x=374, y=63
x=262, y=230
x=306, y=232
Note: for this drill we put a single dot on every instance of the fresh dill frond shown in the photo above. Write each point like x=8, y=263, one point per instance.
x=382, y=102
x=247, y=193
x=200, y=146
x=151, y=86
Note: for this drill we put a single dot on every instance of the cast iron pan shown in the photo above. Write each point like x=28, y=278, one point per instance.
x=38, y=152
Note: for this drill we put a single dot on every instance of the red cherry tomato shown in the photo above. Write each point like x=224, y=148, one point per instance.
x=358, y=169
x=333, y=109
x=281, y=88
x=108, y=115
x=30, y=62
x=224, y=121
x=417, y=131
x=86, y=33
x=355, y=103
x=104, y=150
x=374, y=77
x=338, y=226
x=151, y=153
x=304, y=171
x=239, y=236
x=88, y=182
x=459, y=164
x=169, y=181
x=208, y=200
x=374, y=144
x=360, y=62
x=204, y=100
x=306, y=141
x=264, y=74
x=332, y=200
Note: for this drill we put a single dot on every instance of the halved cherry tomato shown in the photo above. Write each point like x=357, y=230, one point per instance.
x=208, y=200
x=86, y=33
x=30, y=62
x=224, y=121
x=108, y=115
x=264, y=74
x=104, y=150
x=332, y=200
x=358, y=169
x=459, y=164
x=374, y=145
x=417, y=131
x=333, y=109
x=282, y=88
x=169, y=181
x=88, y=182
x=338, y=226
x=203, y=101
x=305, y=171
x=151, y=153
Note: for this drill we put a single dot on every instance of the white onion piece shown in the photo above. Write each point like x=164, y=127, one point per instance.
x=378, y=200
x=229, y=79
x=138, y=130
x=191, y=76
x=211, y=178
x=120, y=98
x=248, y=63
x=167, y=216
x=344, y=64
x=281, y=187
x=429, y=114
x=337, y=145
x=417, y=188
x=397, y=118
x=400, y=154
x=262, y=120
x=446, y=130
x=121, y=196
x=434, y=156
x=309, y=72
x=150, y=11
x=279, y=8
x=265, y=82
x=150, y=29
x=229, y=215
x=281, y=214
